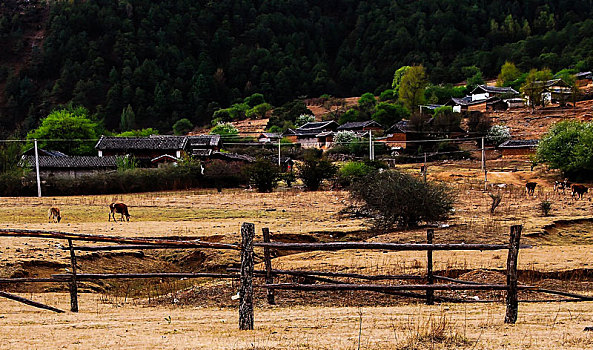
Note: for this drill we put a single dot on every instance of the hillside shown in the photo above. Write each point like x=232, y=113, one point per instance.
x=174, y=59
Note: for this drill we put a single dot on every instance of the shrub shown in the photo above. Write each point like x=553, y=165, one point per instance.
x=498, y=134
x=126, y=163
x=182, y=126
x=304, y=119
x=264, y=175
x=545, y=206
x=313, y=171
x=225, y=129
x=352, y=171
x=396, y=198
x=345, y=137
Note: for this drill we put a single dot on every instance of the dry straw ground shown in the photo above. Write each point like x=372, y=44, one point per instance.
x=118, y=315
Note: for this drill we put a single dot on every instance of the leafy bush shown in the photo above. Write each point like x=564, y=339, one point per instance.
x=139, y=133
x=345, y=137
x=353, y=171
x=351, y=115
x=568, y=146
x=396, y=198
x=304, y=119
x=498, y=134
x=126, y=163
x=388, y=114
x=313, y=171
x=387, y=95
x=545, y=206
x=224, y=129
x=182, y=126
x=264, y=175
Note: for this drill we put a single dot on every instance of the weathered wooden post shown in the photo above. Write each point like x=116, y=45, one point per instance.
x=246, y=289
x=512, y=297
x=268, y=263
x=73, y=285
x=429, y=274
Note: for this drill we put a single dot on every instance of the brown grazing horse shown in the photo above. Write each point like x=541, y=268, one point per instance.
x=53, y=215
x=119, y=208
x=579, y=190
x=530, y=187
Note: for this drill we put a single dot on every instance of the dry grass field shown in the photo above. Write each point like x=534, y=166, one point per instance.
x=201, y=314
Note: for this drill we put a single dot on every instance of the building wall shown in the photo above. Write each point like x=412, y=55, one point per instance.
x=477, y=107
x=482, y=96
x=517, y=152
x=396, y=140
x=69, y=173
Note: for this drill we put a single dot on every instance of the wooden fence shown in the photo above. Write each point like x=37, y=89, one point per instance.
x=246, y=273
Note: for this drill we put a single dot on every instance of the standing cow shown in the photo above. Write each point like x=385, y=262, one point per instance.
x=53, y=215
x=119, y=208
x=579, y=190
x=530, y=187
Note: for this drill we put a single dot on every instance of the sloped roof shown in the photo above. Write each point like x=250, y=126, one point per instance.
x=270, y=135
x=584, y=75
x=232, y=157
x=519, y=144
x=358, y=125
x=70, y=162
x=141, y=143
x=44, y=152
x=467, y=101
x=495, y=89
x=401, y=127
x=318, y=125
x=203, y=140
x=164, y=157
x=554, y=82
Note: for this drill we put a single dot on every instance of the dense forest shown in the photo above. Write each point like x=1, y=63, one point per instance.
x=173, y=59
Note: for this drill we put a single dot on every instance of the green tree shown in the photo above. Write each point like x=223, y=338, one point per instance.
x=67, y=130
x=314, y=170
x=139, y=133
x=264, y=175
x=508, y=73
x=413, y=83
x=182, y=126
x=388, y=114
x=367, y=103
x=225, y=129
x=127, y=119
x=568, y=146
x=534, y=86
x=397, y=78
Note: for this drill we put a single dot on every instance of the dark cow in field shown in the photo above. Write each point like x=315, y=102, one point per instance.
x=53, y=215
x=530, y=187
x=119, y=208
x=579, y=190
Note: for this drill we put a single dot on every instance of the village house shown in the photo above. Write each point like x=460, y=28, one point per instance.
x=397, y=136
x=484, y=92
x=268, y=137
x=518, y=148
x=361, y=127
x=69, y=166
x=313, y=134
x=484, y=98
x=156, y=149
x=583, y=78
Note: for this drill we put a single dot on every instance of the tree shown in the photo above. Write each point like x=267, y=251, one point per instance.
x=67, y=130
x=388, y=114
x=304, y=119
x=445, y=120
x=396, y=198
x=314, y=170
x=413, y=83
x=568, y=146
x=139, y=133
x=534, y=87
x=264, y=175
x=508, y=73
x=127, y=119
x=182, y=126
x=397, y=78
x=367, y=103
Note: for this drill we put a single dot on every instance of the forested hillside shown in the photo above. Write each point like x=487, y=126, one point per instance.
x=175, y=59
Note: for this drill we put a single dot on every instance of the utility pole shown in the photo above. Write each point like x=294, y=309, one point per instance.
x=425, y=167
x=483, y=156
x=371, y=150
x=279, y=163
x=37, y=170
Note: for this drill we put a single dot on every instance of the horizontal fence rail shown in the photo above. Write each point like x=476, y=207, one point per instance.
x=381, y=287
x=115, y=239
x=383, y=246
x=103, y=276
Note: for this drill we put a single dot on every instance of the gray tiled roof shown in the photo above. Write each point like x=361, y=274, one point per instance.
x=358, y=125
x=141, y=143
x=519, y=144
x=204, y=140
x=69, y=162
x=496, y=89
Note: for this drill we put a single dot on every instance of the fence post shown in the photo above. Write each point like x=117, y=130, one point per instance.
x=246, y=289
x=73, y=285
x=512, y=298
x=429, y=275
x=268, y=263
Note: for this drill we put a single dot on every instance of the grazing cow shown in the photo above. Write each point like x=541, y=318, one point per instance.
x=530, y=187
x=53, y=215
x=579, y=190
x=561, y=185
x=119, y=208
